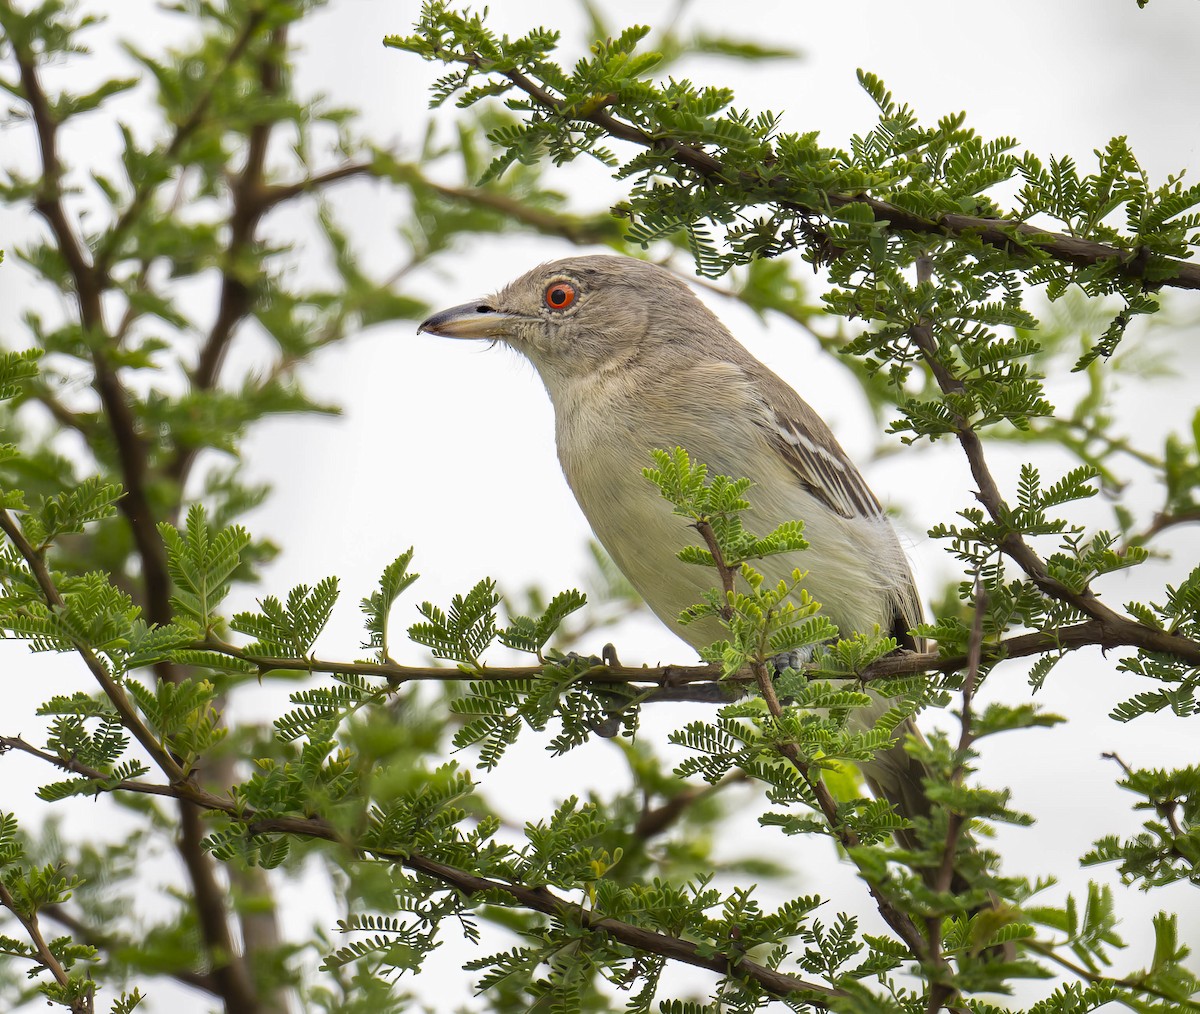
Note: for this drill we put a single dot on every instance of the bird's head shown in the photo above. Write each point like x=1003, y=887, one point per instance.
x=581, y=314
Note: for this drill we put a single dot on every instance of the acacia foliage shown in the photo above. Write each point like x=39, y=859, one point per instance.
x=124, y=558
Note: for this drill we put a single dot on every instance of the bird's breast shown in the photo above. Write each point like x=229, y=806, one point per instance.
x=604, y=443
x=855, y=566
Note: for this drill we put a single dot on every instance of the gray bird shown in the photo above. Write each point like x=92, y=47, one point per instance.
x=633, y=361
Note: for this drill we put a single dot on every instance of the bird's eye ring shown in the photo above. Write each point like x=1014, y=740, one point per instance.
x=559, y=295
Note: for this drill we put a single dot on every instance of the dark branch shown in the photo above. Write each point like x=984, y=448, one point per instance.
x=183, y=133
x=537, y=899
x=89, y=282
x=648, y=941
x=703, y=683
x=83, y=1005
x=112, y=689
x=1013, y=237
x=237, y=296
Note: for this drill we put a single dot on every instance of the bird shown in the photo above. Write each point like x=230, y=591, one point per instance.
x=633, y=361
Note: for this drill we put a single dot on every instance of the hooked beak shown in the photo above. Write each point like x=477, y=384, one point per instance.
x=470, y=320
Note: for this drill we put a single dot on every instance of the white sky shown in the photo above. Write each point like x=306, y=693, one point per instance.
x=351, y=493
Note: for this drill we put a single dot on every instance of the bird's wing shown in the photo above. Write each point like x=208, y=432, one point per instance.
x=812, y=454
x=820, y=465
x=822, y=468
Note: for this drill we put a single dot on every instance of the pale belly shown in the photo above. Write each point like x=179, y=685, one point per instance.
x=851, y=564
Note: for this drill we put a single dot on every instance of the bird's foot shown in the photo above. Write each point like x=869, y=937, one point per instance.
x=615, y=703
x=795, y=659
x=607, y=657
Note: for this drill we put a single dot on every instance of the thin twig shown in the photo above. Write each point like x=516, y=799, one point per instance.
x=1162, y=521
x=966, y=737
x=77, y=767
x=112, y=689
x=1048, y=952
x=83, y=1005
x=677, y=681
x=905, y=928
x=1115, y=757
x=1166, y=810
x=594, y=229
x=658, y=820
x=941, y=993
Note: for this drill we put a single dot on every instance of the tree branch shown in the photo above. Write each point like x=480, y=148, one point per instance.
x=90, y=282
x=112, y=689
x=236, y=296
x=697, y=682
x=536, y=898
x=83, y=1005
x=183, y=132
x=1011, y=236
x=80, y=423
x=649, y=941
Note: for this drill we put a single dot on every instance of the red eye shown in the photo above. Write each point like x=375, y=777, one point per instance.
x=559, y=295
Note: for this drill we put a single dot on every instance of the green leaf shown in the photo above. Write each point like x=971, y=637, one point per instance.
x=201, y=563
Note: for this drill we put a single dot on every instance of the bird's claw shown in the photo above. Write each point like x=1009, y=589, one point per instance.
x=609, y=726
x=795, y=659
x=607, y=657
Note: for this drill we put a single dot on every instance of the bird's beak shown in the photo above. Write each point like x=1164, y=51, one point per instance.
x=471, y=320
